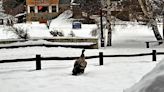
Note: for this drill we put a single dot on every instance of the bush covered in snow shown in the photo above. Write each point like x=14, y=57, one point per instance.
x=55, y=33
x=19, y=32
x=72, y=34
x=94, y=32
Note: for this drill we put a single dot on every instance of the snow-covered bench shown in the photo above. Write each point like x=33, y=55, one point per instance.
x=148, y=43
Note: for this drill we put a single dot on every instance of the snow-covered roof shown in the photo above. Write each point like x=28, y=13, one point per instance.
x=20, y=14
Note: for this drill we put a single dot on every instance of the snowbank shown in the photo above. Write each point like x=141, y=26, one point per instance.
x=152, y=82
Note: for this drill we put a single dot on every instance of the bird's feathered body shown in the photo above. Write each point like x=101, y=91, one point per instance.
x=79, y=65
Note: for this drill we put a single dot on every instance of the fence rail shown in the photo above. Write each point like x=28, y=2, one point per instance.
x=17, y=60
x=128, y=55
x=38, y=58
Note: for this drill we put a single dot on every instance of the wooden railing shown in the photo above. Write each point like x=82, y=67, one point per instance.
x=39, y=58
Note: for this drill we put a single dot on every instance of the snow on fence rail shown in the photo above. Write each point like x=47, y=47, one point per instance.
x=100, y=56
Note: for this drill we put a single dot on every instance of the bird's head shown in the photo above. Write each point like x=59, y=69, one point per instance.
x=83, y=51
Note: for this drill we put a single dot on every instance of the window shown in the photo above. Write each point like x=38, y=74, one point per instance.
x=42, y=8
x=54, y=9
x=32, y=9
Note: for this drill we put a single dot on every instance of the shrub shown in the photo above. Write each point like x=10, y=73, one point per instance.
x=94, y=32
x=55, y=33
x=18, y=31
x=21, y=33
x=72, y=34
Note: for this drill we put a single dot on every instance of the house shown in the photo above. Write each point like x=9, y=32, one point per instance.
x=43, y=10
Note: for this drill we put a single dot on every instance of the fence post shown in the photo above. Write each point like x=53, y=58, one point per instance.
x=154, y=55
x=101, y=58
x=147, y=44
x=38, y=62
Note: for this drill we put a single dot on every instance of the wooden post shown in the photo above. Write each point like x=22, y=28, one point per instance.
x=163, y=26
x=101, y=27
x=101, y=58
x=154, y=54
x=38, y=62
x=147, y=44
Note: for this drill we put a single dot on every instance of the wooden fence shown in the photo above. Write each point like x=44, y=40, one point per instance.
x=38, y=58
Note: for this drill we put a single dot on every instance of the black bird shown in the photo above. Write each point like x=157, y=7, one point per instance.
x=80, y=64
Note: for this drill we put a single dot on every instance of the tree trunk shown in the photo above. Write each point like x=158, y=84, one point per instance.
x=107, y=6
x=163, y=26
x=108, y=17
x=146, y=10
x=155, y=29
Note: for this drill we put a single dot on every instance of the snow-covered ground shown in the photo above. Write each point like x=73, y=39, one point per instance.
x=116, y=75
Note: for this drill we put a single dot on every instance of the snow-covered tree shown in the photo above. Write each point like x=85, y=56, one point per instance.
x=148, y=7
x=106, y=5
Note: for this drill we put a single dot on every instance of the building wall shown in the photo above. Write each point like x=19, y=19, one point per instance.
x=39, y=10
x=41, y=2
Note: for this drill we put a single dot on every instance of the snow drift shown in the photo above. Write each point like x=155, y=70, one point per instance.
x=152, y=82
